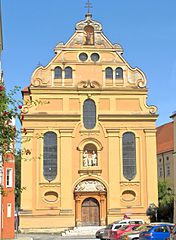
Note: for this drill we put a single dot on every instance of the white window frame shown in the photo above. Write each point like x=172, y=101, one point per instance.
x=9, y=177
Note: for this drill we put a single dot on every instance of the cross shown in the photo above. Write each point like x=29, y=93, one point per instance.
x=88, y=5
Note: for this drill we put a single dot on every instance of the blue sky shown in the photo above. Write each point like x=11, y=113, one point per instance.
x=146, y=29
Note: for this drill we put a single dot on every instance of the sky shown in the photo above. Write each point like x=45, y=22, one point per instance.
x=146, y=29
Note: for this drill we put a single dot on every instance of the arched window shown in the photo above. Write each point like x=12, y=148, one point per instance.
x=68, y=72
x=129, y=155
x=109, y=73
x=58, y=72
x=50, y=156
x=89, y=114
x=119, y=73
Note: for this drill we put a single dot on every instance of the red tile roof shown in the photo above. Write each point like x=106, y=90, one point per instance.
x=165, y=138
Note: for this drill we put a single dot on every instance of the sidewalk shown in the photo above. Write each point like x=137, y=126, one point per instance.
x=18, y=237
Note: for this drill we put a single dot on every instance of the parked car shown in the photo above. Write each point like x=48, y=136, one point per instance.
x=126, y=228
x=100, y=233
x=117, y=224
x=160, y=232
x=109, y=229
x=131, y=221
x=134, y=235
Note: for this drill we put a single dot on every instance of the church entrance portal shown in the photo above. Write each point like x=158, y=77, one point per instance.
x=90, y=203
x=90, y=212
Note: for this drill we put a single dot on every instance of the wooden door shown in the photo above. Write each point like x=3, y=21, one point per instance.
x=90, y=212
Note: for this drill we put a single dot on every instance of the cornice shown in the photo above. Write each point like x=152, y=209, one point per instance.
x=127, y=117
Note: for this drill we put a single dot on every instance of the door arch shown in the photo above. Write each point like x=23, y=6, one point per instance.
x=90, y=212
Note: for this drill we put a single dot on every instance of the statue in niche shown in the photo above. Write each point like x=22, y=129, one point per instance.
x=94, y=158
x=85, y=158
x=90, y=159
x=89, y=35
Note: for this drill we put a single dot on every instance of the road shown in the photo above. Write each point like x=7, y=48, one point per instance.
x=53, y=237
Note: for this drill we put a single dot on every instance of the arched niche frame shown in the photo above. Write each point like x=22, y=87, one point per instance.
x=90, y=150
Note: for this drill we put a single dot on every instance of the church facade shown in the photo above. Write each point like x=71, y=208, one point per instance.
x=90, y=141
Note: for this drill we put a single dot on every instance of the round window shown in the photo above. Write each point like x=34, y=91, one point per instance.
x=83, y=56
x=95, y=57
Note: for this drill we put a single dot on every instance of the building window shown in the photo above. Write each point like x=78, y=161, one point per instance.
x=168, y=171
x=160, y=172
x=9, y=210
x=89, y=114
x=90, y=155
x=83, y=57
x=95, y=57
x=108, y=73
x=58, y=72
x=119, y=73
x=50, y=156
x=9, y=177
x=68, y=73
x=129, y=155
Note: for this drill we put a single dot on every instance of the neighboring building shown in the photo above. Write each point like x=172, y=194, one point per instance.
x=7, y=183
x=173, y=116
x=165, y=149
x=92, y=139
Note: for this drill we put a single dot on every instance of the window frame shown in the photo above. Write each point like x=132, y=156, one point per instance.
x=68, y=73
x=89, y=114
x=129, y=155
x=120, y=75
x=56, y=74
x=9, y=177
x=108, y=75
x=51, y=173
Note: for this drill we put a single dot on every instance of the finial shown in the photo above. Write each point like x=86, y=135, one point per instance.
x=88, y=6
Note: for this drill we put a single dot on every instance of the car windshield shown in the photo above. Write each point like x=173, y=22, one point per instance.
x=135, y=227
x=123, y=227
x=109, y=226
x=143, y=228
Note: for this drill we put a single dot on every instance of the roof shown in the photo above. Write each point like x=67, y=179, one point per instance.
x=165, y=138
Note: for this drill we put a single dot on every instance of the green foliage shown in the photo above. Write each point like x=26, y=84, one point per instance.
x=166, y=202
x=10, y=109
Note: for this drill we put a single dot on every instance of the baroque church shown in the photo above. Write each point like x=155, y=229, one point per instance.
x=92, y=137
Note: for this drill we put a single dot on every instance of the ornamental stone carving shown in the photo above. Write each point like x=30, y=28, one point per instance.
x=88, y=84
x=88, y=21
x=90, y=186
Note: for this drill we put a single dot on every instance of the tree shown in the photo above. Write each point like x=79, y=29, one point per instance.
x=166, y=202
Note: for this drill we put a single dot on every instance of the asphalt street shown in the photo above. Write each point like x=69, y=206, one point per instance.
x=51, y=237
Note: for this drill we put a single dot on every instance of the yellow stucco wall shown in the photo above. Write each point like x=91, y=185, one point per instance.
x=120, y=107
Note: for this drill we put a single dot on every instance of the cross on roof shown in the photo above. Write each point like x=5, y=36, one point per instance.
x=88, y=6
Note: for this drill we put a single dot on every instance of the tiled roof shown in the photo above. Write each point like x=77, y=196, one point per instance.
x=165, y=138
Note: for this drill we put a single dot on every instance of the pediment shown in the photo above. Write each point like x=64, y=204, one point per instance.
x=89, y=33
